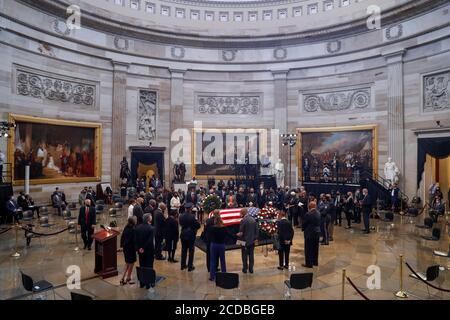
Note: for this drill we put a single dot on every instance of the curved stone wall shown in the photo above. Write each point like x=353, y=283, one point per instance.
x=386, y=69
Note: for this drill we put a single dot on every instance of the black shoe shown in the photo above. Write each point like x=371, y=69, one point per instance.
x=160, y=258
x=89, y=248
x=244, y=271
x=251, y=271
x=280, y=268
x=169, y=260
x=306, y=266
x=211, y=279
x=190, y=269
x=174, y=261
x=286, y=267
x=183, y=267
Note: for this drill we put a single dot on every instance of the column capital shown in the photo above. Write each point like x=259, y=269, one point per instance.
x=394, y=56
x=177, y=73
x=120, y=66
x=280, y=74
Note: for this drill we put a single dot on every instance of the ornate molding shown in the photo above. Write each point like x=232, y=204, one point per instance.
x=60, y=27
x=337, y=100
x=229, y=55
x=280, y=53
x=228, y=104
x=436, y=91
x=334, y=46
x=147, y=110
x=394, y=32
x=42, y=85
x=121, y=43
x=177, y=52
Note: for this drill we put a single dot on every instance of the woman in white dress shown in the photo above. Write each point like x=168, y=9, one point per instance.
x=175, y=203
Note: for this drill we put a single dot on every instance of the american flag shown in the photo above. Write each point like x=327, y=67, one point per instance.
x=230, y=216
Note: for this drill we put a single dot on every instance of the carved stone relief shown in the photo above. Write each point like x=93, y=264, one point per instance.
x=54, y=87
x=334, y=46
x=147, y=115
x=337, y=100
x=280, y=53
x=224, y=104
x=436, y=91
x=229, y=55
x=121, y=43
x=177, y=52
x=394, y=32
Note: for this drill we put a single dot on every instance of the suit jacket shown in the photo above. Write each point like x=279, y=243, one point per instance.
x=253, y=198
x=231, y=203
x=144, y=238
x=189, y=226
x=311, y=224
x=191, y=197
x=366, y=203
x=139, y=213
x=285, y=231
x=22, y=202
x=159, y=222
x=172, y=230
x=208, y=226
x=241, y=200
x=11, y=206
x=249, y=229
x=156, y=183
x=92, y=220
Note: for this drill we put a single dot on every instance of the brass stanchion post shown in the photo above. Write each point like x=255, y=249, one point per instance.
x=16, y=254
x=343, y=285
x=401, y=293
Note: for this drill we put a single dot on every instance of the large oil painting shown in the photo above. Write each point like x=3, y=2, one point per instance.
x=57, y=151
x=225, y=153
x=338, y=154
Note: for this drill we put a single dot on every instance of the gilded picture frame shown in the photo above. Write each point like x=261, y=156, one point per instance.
x=65, y=124
x=262, y=135
x=373, y=128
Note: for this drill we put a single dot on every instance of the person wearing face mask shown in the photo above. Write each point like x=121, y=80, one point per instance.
x=366, y=206
x=87, y=220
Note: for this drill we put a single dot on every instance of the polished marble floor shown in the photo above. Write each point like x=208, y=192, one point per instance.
x=48, y=258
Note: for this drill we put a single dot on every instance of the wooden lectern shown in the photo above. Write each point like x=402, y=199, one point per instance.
x=106, y=253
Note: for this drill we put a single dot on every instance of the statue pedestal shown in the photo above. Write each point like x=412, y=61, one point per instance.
x=180, y=186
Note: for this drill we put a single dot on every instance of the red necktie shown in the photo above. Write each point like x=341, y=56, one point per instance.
x=87, y=215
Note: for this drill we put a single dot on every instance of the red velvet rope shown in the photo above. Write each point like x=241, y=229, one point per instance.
x=6, y=230
x=45, y=234
x=356, y=289
x=424, y=281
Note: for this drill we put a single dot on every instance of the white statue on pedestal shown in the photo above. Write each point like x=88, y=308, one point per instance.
x=279, y=173
x=391, y=171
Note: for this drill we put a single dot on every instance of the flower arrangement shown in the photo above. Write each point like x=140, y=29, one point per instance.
x=211, y=203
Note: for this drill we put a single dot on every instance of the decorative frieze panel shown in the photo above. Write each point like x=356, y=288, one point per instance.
x=436, y=91
x=42, y=85
x=228, y=104
x=147, y=115
x=337, y=100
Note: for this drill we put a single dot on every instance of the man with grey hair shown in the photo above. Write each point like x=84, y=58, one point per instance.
x=144, y=242
x=248, y=234
x=138, y=211
x=160, y=227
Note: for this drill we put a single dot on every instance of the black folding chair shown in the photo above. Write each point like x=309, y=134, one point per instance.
x=431, y=275
x=28, y=216
x=79, y=296
x=427, y=224
x=36, y=287
x=228, y=281
x=299, y=281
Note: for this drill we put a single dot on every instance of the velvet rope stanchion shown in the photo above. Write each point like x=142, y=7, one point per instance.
x=16, y=254
x=357, y=289
x=45, y=234
x=401, y=293
x=343, y=285
x=5, y=230
x=424, y=281
x=77, y=249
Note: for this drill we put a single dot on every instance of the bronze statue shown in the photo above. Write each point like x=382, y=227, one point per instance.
x=125, y=172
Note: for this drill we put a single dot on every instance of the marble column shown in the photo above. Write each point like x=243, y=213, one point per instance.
x=280, y=121
x=395, y=109
x=176, y=112
x=118, y=145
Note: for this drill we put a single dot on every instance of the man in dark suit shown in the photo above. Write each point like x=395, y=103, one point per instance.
x=208, y=226
x=311, y=232
x=87, y=220
x=191, y=197
x=241, y=198
x=160, y=228
x=261, y=196
x=395, y=199
x=138, y=211
x=366, y=205
x=248, y=233
x=189, y=226
x=144, y=242
x=285, y=236
x=252, y=197
x=156, y=182
x=13, y=209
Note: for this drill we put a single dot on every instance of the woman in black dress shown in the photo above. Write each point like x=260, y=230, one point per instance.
x=172, y=235
x=349, y=208
x=129, y=250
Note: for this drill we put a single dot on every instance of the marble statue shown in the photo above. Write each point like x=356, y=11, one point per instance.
x=279, y=173
x=391, y=171
x=266, y=166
